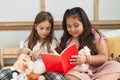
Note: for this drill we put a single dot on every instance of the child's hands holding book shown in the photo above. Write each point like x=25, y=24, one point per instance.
x=78, y=59
x=82, y=57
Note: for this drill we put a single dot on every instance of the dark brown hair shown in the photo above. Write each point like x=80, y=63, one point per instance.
x=86, y=38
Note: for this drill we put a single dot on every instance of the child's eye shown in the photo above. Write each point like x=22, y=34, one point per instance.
x=48, y=28
x=41, y=28
x=68, y=26
x=77, y=25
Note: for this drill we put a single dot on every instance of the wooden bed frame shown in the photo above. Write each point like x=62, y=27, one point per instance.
x=104, y=24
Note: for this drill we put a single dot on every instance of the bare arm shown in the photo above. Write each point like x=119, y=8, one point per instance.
x=100, y=58
x=102, y=53
x=24, y=51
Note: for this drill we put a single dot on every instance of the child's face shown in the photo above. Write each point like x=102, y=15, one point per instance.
x=43, y=29
x=74, y=26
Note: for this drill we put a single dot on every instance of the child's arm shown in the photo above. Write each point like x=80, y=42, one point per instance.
x=24, y=51
x=24, y=48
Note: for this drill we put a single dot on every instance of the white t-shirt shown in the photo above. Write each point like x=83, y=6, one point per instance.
x=38, y=44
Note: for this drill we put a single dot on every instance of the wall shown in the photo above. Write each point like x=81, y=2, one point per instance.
x=26, y=10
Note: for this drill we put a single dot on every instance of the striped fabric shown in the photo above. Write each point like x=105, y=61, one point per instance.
x=53, y=76
x=6, y=74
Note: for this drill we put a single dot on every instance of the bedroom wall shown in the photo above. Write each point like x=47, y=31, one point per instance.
x=26, y=10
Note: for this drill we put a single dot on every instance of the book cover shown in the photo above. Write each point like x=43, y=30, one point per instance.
x=60, y=63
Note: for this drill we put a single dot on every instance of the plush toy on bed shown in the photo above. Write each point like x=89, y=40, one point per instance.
x=22, y=63
x=26, y=66
x=22, y=69
x=18, y=71
x=113, y=57
x=84, y=67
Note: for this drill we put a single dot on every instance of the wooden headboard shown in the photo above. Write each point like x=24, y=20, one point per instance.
x=104, y=24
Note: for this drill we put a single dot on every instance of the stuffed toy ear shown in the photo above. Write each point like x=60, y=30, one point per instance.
x=18, y=65
x=25, y=63
x=24, y=57
x=21, y=66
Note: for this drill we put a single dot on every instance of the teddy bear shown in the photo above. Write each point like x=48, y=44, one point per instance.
x=22, y=63
x=84, y=67
x=38, y=68
x=23, y=69
x=26, y=66
x=18, y=70
x=32, y=69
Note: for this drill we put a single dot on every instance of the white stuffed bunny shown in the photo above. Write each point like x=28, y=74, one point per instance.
x=39, y=67
x=84, y=67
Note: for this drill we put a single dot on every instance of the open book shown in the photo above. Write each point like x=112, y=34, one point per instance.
x=60, y=63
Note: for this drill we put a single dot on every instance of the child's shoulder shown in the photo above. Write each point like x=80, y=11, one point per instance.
x=97, y=35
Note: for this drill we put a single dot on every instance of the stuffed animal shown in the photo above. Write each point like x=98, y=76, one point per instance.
x=22, y=69
x=18, y=76
x=33, y=76
x=84, y=67
x=19, y=69
x=22, y=63
x=39, y=67
x=113, y=57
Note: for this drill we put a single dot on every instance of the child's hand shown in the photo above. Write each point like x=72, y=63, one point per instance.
x=24, y=51
x=36, y=54
x=78, y=59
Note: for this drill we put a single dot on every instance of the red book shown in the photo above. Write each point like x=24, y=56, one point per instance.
x=60, y=63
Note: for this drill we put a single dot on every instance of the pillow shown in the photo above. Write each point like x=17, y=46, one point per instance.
x=113, y=46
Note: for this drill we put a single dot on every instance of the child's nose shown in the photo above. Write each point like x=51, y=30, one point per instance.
x=73, y=29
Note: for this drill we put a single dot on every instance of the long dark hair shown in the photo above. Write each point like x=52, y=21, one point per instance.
x=86, y=38
x=34, y=37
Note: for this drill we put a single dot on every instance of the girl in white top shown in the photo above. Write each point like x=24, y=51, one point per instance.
x=41, y=40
